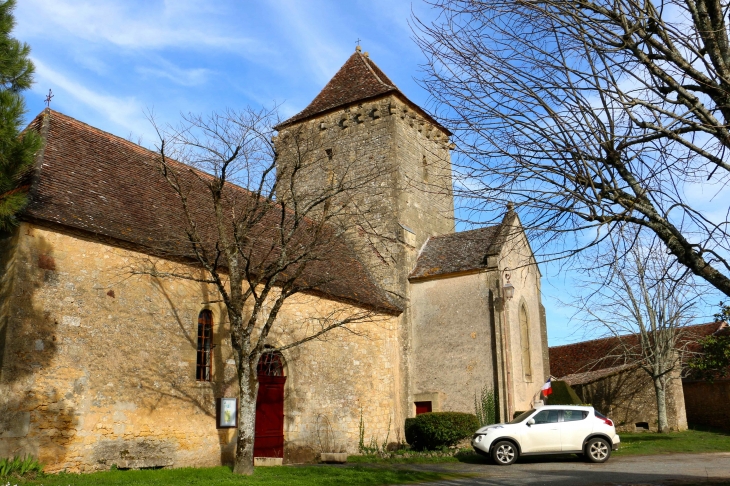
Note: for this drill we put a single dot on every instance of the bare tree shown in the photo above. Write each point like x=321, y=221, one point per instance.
x=258, y=251
x=592, y=116
x=645, y=303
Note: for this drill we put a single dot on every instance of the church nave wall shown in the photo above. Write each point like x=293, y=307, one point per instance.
x=100, y=365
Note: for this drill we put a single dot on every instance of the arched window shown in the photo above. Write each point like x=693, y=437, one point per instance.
x=205, y=346
x=525, y=341
x=271, y=363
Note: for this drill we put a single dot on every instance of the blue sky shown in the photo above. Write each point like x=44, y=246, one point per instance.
x=108, y=62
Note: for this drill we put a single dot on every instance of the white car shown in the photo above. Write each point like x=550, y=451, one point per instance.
x=552, y=429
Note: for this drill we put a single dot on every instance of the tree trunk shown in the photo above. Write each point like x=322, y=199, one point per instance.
x=661, y=403
x=249, y=385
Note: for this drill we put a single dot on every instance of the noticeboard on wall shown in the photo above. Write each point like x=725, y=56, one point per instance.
x=226, y=413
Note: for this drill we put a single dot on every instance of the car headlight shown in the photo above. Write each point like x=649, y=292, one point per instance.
x=478, y=438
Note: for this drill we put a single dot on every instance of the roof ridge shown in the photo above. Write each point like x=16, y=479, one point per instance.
x=461, y=233
x=608, y=338
x=366, y=60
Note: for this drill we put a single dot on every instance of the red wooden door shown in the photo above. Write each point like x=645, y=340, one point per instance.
x=423, y=407
x=269, y=437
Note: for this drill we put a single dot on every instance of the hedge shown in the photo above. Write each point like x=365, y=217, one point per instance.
x=563, y=394
x=431, y=431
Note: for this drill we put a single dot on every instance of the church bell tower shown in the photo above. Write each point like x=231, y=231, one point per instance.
x=363, y=127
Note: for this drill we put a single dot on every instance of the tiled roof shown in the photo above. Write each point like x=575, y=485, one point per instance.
x=357, y=80
x=106, y=186
x=591, y=376
x=607, y=353
x=460, y=252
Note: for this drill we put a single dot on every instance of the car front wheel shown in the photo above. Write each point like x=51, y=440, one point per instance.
x=597, y=450
x=504, y=453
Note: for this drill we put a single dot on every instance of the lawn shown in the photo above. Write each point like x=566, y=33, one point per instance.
x=698, y=440
x=222, y=476
x=366, y=470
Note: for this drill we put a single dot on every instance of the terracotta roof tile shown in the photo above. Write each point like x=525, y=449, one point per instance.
x=460, y=252
x=357, y=80
x=606, y=353
x=103, y=185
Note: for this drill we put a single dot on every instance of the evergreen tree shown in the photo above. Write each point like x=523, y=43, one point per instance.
x=16, y=150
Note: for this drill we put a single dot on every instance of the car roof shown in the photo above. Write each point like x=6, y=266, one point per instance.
x=564, y=407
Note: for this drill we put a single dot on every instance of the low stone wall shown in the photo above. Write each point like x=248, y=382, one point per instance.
x=628, y=398
x=706, y=403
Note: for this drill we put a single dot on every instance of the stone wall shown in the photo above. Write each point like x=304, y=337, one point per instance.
x=706, y=403
x=453, y=340
x=465, y=336
x=98, y=365
x=395, y=169
x=399, y=168
x=516, y=255
x=628, y=398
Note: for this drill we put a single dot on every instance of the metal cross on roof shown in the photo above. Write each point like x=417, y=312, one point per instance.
x=358, y=41
x=48, y=98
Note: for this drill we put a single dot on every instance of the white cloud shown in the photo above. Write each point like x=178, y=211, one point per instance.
x=322, y=51
x=127, y=112
x=167, y=70
x=128, y=25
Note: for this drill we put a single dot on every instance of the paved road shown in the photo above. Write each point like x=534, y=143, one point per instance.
x=671, y=469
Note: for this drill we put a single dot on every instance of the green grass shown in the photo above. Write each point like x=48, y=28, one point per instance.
x=222, y=476
x=689, y=441
x=464, y=455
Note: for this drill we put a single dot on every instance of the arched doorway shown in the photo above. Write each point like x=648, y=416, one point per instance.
x=269, y=437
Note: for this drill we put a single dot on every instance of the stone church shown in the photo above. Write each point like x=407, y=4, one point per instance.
x=100, y=366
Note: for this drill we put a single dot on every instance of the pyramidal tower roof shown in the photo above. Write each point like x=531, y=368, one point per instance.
x=357, y=80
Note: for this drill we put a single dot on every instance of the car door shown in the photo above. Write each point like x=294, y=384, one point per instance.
x=574, y=428
x=543, y=435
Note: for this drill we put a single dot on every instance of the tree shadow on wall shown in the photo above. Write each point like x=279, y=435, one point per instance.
x=38, y=398
x=162, y=374
x=623, y=396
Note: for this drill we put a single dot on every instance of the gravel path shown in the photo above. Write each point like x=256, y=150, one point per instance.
x=670, y=469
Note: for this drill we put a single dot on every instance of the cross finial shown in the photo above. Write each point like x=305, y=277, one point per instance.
x=358, y=48
x=48, y=98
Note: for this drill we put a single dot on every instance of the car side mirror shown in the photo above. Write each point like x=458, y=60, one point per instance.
x=531, y=422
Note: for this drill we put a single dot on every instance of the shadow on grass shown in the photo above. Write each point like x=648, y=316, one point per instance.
x=647, y=437
x=714, y=430
x=472, y=458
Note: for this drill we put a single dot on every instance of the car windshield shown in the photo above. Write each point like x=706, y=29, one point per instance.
x=521, y=417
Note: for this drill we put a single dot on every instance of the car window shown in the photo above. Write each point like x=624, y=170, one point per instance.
x=573, y=415
x=521, y=417
x=547, y=417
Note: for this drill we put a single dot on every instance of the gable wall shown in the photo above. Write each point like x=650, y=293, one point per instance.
x=453, y=339
x=102, y=365
x=517, y=256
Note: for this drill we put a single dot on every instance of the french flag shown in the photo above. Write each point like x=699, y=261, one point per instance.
x=547, y=388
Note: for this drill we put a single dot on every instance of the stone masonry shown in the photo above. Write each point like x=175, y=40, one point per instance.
x=98, y=366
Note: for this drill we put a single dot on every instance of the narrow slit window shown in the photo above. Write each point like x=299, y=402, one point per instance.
x=424, y=164
x=525, y=342
x=205, y=346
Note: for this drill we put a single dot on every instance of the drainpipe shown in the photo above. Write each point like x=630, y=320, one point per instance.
x=506, y=353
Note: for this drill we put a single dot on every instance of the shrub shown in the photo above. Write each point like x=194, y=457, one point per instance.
x=20, y=466
x=439, y=429
x=563, y=394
